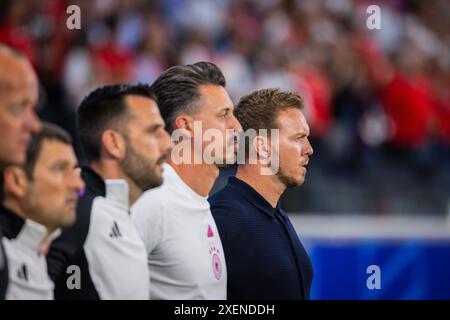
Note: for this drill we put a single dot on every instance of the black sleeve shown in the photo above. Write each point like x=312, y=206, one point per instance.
x=3, y=270
x=69, y=244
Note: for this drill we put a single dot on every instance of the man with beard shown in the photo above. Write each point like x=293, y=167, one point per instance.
x=265, y=258
x=18, y=121
x=185, y=255
x=102, y=256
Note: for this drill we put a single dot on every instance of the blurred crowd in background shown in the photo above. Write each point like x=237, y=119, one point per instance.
x=377, y=101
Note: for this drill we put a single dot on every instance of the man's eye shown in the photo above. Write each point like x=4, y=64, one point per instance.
x=17, y=109
x=153, y=130
x=59, y=167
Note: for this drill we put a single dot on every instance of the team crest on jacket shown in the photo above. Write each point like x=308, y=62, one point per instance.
x=216, y=262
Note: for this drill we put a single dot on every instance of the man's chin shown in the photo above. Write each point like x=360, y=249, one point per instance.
x=154, y=183
x=18, y=159
x=158, y=183
x=299, y=180
x=69, y=219
x=291, y=182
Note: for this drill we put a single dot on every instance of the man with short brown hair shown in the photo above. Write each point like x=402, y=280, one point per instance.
x=265, y=258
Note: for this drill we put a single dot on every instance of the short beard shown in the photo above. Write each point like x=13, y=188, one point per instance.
x=288, y=182
x=139, y=170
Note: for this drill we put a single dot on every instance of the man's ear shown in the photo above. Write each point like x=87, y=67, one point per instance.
x=261, y=146
x=15, y=182
x=185, y=124
x=114, y=144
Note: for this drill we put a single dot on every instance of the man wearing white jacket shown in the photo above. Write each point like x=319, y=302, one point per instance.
x=185, y=255
x=102, y=255
x=39, y=198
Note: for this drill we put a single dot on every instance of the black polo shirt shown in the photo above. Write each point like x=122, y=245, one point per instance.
x=264, y=256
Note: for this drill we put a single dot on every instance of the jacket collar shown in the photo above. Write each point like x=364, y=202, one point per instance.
x=117, y=190
x=94, y=183
x=112, y=189
x=10, y=223
x=27, y=232
x=253, y=196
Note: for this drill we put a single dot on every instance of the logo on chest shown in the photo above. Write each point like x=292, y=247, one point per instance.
x=215, y=256
x=216, y=262
x=115, y=231
x=22, y=272
x=210, y=232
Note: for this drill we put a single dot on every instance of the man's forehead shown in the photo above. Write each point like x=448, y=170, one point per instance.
x=54, y=150
x=140, y=104
x=17, y=75
x=215, y=96
x=292, y=119
x=143, y=112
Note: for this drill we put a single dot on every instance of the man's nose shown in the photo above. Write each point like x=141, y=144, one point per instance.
x=77, y=182
x=33, y=123
x=235, y=124
x=167, y=143
x=310, y=149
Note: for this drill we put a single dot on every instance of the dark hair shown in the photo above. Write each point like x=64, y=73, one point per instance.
x=102, y=109
x=260, y=109
x=177, y=88
x=49, y=131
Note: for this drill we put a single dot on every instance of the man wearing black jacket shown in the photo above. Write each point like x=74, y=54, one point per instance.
x=123, y=137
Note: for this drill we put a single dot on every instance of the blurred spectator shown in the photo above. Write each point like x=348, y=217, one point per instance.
x=377, y=100
x=13, y=15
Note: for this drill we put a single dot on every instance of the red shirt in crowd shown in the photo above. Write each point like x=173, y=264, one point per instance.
x=408, y=103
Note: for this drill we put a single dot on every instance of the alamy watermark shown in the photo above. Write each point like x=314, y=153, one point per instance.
x=73, y=21
x=374, y=280
x=74, y=279
x=374, y=20
x=213, y=146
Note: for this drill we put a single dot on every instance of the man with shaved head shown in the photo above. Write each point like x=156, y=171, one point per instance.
x=18, y=97
x=18, y=121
